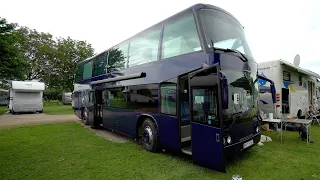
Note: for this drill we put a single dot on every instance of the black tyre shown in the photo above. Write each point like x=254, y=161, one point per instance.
x=85, y=116
x=149, y=136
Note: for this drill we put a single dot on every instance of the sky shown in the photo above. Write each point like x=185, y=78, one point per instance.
x=274, y=29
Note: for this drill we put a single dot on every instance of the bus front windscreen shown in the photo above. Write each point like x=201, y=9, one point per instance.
x=243, y=96
x=223, y=31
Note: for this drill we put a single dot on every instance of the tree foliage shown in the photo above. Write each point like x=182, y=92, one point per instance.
x=12, y=65
x=27, y=54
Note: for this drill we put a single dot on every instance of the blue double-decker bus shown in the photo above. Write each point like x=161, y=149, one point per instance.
x=188, y=84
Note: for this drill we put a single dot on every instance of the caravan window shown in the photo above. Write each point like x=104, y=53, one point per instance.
x=300, y=80
x=286, y=76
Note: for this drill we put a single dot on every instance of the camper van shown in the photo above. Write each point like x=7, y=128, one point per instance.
x=4, y=94
x=67, y=98
x=295, y=88
x=25, y=96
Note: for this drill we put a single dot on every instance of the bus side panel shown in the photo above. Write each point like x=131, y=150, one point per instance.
x=127, y=122
x=110, y=116
x=169, y=133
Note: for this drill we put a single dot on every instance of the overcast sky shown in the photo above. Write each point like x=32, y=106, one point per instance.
x=274, y=29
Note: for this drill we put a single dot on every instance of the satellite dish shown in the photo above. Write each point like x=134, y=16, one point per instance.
x=296, y=61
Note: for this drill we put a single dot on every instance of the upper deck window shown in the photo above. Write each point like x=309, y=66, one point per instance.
x=117, y=57
x=180, y=36
x=87, y=70
x=144, y=47
x=79, y=72
x=100, y=63
x=223, y=31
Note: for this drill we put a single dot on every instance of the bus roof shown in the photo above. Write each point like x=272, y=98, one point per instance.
x=194, y=7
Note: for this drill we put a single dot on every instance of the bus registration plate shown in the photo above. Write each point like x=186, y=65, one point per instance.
x=247, y=144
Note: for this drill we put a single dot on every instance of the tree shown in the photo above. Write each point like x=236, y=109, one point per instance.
x=38, y=51
x=69, y=53
x=12, y=63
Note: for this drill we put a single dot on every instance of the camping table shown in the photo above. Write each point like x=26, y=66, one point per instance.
x=305, y=122
x=278, y=121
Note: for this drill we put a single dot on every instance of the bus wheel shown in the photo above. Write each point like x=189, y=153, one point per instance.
x=149, y=135
x=85, y=116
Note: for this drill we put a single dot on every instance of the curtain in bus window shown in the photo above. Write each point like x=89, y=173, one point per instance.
x=180, y=36
x=87, y=70
x=117, y=58
x=144, y=47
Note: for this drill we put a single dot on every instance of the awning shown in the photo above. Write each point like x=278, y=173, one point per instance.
x=300, y=70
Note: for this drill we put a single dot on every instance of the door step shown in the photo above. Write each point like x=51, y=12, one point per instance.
x=187, y=150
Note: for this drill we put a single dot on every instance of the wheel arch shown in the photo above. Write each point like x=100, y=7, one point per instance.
x=140, y=120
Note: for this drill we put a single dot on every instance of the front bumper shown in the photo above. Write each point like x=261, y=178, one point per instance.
x=238, y=147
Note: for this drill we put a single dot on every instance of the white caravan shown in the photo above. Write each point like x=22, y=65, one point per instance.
x=4, y=94
x=295, y=88
x=26, y=96
x=67, y=98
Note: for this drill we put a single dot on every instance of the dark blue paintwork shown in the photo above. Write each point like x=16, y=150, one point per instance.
x=206, y=151
x=169, y=133
x=203, y=137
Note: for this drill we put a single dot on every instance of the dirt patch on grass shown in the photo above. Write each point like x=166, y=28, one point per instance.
x=38, y=118
x=107, y=134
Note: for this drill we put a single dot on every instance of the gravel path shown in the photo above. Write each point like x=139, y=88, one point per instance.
x=24, y=119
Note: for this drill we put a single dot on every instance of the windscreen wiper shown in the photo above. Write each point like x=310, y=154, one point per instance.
x=243, y=57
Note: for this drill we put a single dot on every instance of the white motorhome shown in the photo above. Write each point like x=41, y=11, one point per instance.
x=318, y=92
x=67, y=98
x=26, y=96
x=4, y=94
x=295, y=88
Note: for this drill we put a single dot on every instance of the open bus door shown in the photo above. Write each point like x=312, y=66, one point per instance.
x=206, y=123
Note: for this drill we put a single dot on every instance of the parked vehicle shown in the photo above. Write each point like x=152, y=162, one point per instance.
x=67, y=98
x=295, y=88
x=26, y=96
x=4, y=94
x=188, y=84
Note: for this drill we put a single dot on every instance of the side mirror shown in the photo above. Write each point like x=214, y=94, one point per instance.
x=273, y=93
x=224, y=91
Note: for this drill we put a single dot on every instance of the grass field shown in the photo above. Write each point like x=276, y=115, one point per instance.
x=69, y=151
x=3, y=109
x=54, y=109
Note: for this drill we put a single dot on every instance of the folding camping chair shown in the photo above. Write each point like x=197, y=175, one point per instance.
x=313, y=116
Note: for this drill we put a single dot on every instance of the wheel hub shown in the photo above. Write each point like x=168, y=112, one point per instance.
x=147, y=135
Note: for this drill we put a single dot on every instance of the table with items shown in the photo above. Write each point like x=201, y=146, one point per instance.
x=305, y=122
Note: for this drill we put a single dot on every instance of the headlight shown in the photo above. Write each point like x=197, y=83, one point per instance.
x=257, y=129
x=229, y=140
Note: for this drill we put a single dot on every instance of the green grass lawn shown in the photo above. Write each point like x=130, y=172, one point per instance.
x=3, y=109
x=69, y=151
x=54, y=109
